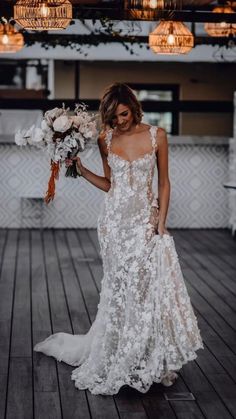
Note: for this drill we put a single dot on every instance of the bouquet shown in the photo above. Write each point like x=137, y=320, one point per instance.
x=62, y=136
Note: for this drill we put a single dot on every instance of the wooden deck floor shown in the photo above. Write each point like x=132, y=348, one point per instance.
x=50, y=282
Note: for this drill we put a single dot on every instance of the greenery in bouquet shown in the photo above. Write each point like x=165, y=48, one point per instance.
x=62, y=135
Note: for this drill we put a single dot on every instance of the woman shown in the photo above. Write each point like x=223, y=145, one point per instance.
x=145, y=328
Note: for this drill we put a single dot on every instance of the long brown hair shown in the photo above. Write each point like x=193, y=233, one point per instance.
x=114, y=95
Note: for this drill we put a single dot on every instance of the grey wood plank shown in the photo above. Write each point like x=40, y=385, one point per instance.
x=20, y=394
x=61, y=321
x=74, y=401
x=219, y=297
x=221, y=243
x=224, y=257
x=76, y=302
x=59, y=315
x=86, y=281
x=46, y=390
x=58, y=304
x=7, y=284
x=102, y=407
x=214, y=320
x=211, y=366
x=21, y=317
x=207, y=257
x=20, y=401
x=199, y=382
x=156, y=406
x=193, y=408
x=66, y=386
x=218, y=349
x=65, y=294
x=46, y=405
x=223, y=384
x=95, y=265
x=129, y=403
x=93, y=234
x=3, y=241
x=186, y=410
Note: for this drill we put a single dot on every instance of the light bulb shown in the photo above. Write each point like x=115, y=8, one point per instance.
x=223, y=24
x=153, y=4
x=170, y=39
x=44, y=10
x=5, y=39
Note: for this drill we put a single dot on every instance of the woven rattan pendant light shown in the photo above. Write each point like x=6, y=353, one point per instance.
x=221, y=28
x=143, y=9
x=43, y=14
x=10, y=39
x=171, y=37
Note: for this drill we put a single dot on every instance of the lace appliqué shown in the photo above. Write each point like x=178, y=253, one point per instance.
x=145, y=328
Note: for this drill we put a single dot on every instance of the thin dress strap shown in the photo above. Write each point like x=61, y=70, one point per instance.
x=108, y=137
x=153, y=131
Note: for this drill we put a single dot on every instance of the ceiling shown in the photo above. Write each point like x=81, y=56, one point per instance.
x=90, y=13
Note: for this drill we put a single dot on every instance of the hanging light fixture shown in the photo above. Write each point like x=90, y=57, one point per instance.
x=221, y=28
x=43, y=14
x=10, y=39
x=144, y=9
x=171, y=37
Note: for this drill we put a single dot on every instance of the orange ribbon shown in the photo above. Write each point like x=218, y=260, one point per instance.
x=55, y=168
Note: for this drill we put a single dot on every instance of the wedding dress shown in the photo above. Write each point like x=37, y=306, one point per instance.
x=145, y=328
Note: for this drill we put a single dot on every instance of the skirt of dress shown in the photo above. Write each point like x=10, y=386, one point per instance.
x=144, y=331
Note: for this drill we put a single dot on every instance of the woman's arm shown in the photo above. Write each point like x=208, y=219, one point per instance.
x=101, y=182
x=163, y=179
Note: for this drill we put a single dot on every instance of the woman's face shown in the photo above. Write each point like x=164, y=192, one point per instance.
x=123, y=118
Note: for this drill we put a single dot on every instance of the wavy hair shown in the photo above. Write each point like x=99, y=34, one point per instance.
x=114, y=95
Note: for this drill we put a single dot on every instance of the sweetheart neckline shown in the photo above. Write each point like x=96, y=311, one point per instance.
x=150, y=153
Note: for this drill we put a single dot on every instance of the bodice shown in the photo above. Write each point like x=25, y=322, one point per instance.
x=135, y=175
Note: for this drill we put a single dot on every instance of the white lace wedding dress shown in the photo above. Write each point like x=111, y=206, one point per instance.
x=145, y=328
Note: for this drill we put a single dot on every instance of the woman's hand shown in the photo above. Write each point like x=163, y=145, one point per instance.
x=79, y=166
x=162, y=230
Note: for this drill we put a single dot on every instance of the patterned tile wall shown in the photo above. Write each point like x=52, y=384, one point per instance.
x=198, y=199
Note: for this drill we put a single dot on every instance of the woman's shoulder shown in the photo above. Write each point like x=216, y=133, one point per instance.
x=161, y=137
x=104, y=138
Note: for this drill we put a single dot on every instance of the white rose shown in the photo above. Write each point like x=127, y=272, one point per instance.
x=29, y=132
x=52, y=114
x=80, y=139
x=36, y=138
x=62, y=123
x=44, y=125
x=88, y=134
x=48, y=136
x=77, y=120
x=20, y=139
x=38, y=135
x=82, y=129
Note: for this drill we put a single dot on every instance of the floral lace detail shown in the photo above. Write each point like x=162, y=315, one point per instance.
x=145, y=328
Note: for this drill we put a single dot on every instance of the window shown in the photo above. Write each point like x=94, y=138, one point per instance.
x=154, y=99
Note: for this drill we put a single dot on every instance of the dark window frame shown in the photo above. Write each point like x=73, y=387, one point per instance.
x=150, y=106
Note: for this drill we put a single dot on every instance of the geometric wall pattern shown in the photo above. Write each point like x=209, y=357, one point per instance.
x=197, y=174
x=198, y=198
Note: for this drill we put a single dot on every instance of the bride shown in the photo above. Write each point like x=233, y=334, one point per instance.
x=145, y=328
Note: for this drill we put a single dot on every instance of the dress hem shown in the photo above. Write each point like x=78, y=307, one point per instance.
x=173, y=368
